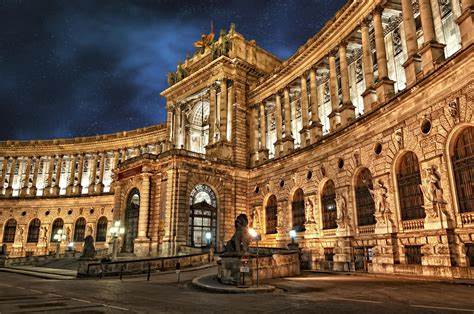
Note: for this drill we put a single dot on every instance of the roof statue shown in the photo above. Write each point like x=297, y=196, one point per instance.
x=206, y=40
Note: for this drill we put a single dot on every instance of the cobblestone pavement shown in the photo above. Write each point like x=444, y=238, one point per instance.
x=321, y=293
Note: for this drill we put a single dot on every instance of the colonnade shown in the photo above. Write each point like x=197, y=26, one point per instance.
x=369, y=37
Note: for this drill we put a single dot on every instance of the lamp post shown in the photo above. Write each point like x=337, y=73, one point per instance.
x=254, y=234
x=115, y=231
x=208, y=236
x=293, y=245
x=59, y=237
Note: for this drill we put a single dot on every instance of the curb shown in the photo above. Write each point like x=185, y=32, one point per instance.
x=36, y=274
x=197, y=282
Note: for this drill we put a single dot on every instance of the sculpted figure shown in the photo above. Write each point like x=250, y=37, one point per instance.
x=379, y=195
x=432, y=191
x=90, y=230
x=68, y=234
x=256, y=218
x=89, y=248
x=343, y=219
x=309, y=208
x=44, y=234
x=20, y=234
x=239, y=243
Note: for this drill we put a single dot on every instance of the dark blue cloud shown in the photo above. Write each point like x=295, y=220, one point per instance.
x=77, y=68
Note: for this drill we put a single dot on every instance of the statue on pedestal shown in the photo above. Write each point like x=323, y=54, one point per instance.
x=432, y=193
x=309, y=209
x=343, y=220
x=88, y=251
x=239, y=243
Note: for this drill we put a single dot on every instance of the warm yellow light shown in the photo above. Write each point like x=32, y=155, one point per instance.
x=253, y=233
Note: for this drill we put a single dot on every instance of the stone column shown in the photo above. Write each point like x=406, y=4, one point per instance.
x=49, y=179
x=288, y=141
x=347, y=111
x=369, y=96
x=9, y=190
x=142, y=242
x=170, y=121
x=334, y=119
x=4, y=173
x=212, y=115
x=254, y=134
x=230, y=109
x=72, y=174
x=177, y=128
x=37, y=165
x=466, y=23
x=80, y=170
x=304, y=132
x=316, y=126
x=56, y=188
x=92, y=175
x=278, y=122
x=24, y=183
x=432, y=52
x=263, y=152
x=123, y=157
x=223, y=109
x=116, y=159
x=384, y=86
x=100, y=184
x=413, y=63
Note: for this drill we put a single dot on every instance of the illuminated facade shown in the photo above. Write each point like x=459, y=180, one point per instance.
x=362, y=142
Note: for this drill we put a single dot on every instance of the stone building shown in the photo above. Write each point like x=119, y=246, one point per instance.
x=362, y=142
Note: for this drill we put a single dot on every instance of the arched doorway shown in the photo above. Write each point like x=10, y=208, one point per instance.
x=57, y=225
x=132, y=210
x=365, y=205
x=9, y=231
x=329, y=209
x=271, y=212
x=33, y=231
x=463, y=167
x=297, y=210
x=202, y=216
x=409, y=192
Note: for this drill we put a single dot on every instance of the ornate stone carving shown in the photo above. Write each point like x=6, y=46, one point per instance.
x=239, y=243
x=380, y=196
x=432, y=193
x=453, y=109
x=398, y=138
x=343, y=220
x=310, y=211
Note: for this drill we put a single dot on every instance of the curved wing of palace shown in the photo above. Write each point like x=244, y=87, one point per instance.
x=362, y=142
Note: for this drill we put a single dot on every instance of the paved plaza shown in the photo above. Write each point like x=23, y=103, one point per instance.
x=311, y=293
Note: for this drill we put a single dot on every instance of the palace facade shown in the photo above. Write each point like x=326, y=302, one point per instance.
x=362, y=142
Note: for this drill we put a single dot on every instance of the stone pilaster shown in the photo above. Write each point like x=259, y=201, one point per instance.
x=49, y=181
x=72, y=175
x=80, y=170
x=334, y=119
x=432, y=52
x=263, y=151
x=288, y=141
x=9, y=190
x=24, y=182
x=56, y=189
x=304, y=132
x=316, y=126
x=384, y=86
x=142, y=242
x=230, y=109
x=37, y=165
x=466, y=23
x=278, y=122
x=4, y=173
x=223, y=109
x=100, y=184
x=343, y=254
x=93, y=173
x=347, y=111
x=413, y=63
x=369, y=95
x=253, y=123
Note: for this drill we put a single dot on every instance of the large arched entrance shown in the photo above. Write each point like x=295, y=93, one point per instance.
x=131, y=220
x=202, y=216
x=463, y=166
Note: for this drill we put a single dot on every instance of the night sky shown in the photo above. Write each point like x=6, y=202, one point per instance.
x=82, y=67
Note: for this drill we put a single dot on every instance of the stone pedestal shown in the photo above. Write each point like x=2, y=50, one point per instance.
x=288, y=144
x=466, y=26
x=385, y=224
x=384, y=253
x=69, y=190
x=278, y=148
x=384, y=88
x=32, y=191
x=316, y=131
x=343, y=255
x=347, y=113
x=432, y=53
x=334, y=120
x=412, y=68
x=222, y=150
x=262, y=155
x=305, y=136
x=141, y=247
x=436, y=217
x=55, y=190
x=229, y=271
x=9, y=191
x=99, y=188
x=77, y=190
x=311, y=231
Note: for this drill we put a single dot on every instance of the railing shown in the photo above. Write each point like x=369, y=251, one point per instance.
x=329, y=233
x=141, y=266
x=414, y=224
x=467, y=218
x=366, y=229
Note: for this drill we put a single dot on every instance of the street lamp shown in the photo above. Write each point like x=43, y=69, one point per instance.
x=59, y=237
x=254, y=234
x=115, y=231
x=208, y=236
x=292, y=236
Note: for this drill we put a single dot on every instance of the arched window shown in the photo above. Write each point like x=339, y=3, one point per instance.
x=57, y=225
x=79, y=229
x=463, y=164
x=33, y=231
x=9, y=231
x=202, y=216
x=297, y=210
x=328, y=201
x=409, y=192
x=364, y=202
x=131, y=220
x=101, y=233
x=271, y=215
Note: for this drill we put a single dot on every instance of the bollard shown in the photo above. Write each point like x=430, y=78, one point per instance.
x=178, y=270
x=121, y=272
x=149, y=272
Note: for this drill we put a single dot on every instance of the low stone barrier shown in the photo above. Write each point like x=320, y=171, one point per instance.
x=94, y=268
x=447, y=272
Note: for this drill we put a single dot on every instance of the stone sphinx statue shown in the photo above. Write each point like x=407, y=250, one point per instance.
x=239, y=243
x=88, y=252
